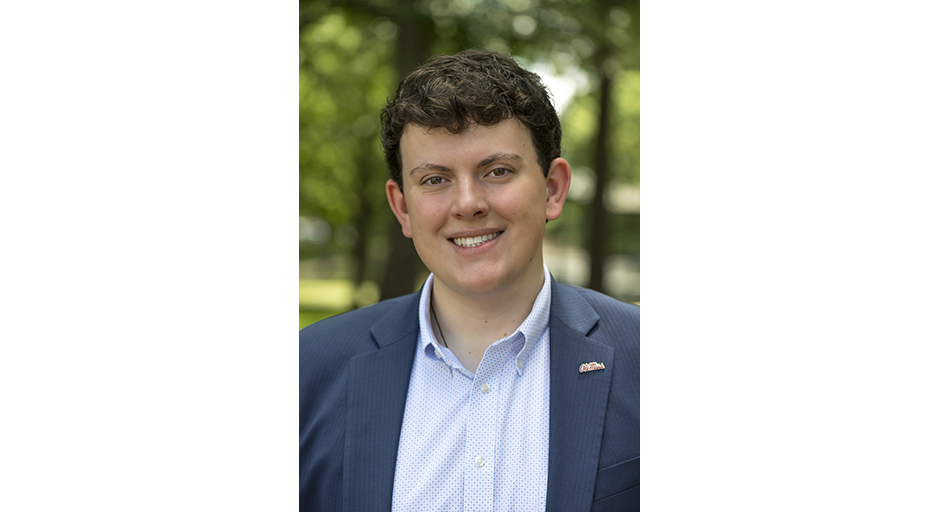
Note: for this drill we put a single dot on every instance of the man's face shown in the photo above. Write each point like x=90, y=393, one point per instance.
x=476, y=203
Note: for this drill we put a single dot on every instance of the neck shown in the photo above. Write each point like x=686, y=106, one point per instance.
x=471, y=324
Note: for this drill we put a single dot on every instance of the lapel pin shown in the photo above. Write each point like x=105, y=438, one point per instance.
x=590, y=367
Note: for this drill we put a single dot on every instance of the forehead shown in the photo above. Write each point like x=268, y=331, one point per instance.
x=509, y=136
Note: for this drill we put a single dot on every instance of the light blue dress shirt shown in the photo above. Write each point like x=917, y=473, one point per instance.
x=477, y=442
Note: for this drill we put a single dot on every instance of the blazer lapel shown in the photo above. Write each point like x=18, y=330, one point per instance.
x=375, y=406
x=578, y=401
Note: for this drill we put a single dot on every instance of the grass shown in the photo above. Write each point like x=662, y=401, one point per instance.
x=326, y=294
x=323, y=298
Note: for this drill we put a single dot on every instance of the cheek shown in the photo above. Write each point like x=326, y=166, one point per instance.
x=526, y=206
x=427, y=213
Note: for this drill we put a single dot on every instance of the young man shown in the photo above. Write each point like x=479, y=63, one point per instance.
x=494, y=387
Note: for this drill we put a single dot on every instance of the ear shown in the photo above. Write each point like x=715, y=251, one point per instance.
x=396, y=200
x=558, y=181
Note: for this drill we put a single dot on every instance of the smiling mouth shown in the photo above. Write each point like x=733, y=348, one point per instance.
x=476, y=240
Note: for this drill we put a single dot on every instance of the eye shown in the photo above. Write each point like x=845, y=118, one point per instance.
x=499, y=172
x=434, y=180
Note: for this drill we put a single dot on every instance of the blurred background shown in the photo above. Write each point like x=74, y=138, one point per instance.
x=353, y=54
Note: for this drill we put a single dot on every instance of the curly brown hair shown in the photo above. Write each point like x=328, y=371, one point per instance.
x=474, y=86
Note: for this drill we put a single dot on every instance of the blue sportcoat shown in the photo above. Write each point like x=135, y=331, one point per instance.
x=354, y=375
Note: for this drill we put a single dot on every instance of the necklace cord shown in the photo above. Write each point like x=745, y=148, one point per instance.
x=434, y=316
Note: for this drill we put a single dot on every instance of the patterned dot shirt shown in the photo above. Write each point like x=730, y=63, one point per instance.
x=477, y=442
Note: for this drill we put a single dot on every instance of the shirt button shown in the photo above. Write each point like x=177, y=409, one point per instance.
x=438, y=354
x=480, y=461
x=484, y=388
x=519, y=363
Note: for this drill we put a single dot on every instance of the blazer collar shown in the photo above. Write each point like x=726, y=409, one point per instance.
x=571, y=309
x=399, y=321
x=578, y=401
x=377, y=390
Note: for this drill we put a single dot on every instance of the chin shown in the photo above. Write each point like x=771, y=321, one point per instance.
x=483, y=285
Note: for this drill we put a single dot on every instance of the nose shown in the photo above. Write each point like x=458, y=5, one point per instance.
x=470, y=200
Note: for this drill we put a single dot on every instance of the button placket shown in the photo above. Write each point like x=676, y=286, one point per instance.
x=482, y=432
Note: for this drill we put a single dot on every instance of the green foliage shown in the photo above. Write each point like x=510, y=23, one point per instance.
x=345, y=75
x=625, y=143
x=578, y=126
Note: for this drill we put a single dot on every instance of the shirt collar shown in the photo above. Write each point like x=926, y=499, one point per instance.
x=531, y=328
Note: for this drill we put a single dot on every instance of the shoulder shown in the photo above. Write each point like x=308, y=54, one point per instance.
x=328, y=345
x=604, y=303
x=349, y=333
x=584, y=301
x=357, y=319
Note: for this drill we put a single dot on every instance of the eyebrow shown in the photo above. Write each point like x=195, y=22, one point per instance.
x=495, y=157
x=429, y=167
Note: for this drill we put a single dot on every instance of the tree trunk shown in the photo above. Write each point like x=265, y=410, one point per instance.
x=415, y=33
x=597, y=246
x=362, y=222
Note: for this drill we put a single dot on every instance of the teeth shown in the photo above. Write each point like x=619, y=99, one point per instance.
x=475, y=241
